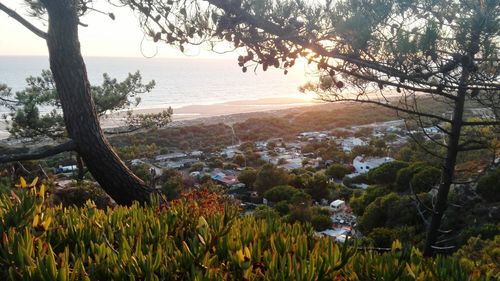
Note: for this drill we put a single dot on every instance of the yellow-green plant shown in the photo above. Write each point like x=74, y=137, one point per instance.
x=182, y=242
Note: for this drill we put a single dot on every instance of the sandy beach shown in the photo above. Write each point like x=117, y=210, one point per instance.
x=220, y=112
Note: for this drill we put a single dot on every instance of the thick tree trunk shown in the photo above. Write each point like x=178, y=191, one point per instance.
x=82, y=124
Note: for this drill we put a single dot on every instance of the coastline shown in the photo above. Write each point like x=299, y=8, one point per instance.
x=229, y=112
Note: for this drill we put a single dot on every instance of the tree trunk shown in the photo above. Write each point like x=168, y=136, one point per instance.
x=449, y=164
x=446, y=179
x=82, y=124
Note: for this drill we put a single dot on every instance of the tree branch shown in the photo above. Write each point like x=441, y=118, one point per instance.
x=67, y=146
x=13, y=14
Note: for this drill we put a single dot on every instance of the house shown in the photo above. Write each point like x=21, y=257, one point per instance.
x=230, y=151
x=349, y=143
x=292, y=164
x=136, y=162
x=196, y=153
x=170, y=156
x=363, y=164
x=337, y=205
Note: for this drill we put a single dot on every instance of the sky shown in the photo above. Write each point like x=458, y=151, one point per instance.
x=103, y=36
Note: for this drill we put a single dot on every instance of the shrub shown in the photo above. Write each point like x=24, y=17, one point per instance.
x=248, y=177
x=488, y=186
x=270, y=176
x=281, y=193
x=382, y=237
x=321, y=222
x=282, y=207
x=405, y=175
x=142, y=171
x=359, y=203
x=196, y=167
x=425, y=180
x=337, y=171
x=186, y=242
x=81, y=193
x=387, y=172
x=172, y=185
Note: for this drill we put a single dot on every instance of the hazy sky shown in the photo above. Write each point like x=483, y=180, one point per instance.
x=103, y=37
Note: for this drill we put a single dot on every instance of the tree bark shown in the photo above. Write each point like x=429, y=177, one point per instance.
x=82, y=124
x=446, y=175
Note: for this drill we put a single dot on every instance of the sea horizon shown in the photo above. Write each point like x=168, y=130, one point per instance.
x=180, y=82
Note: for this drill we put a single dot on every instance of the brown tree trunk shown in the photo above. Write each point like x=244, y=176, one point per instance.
x=446, y=176
x=82, y=124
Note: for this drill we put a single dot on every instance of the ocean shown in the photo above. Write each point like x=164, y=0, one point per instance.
x=179, y=81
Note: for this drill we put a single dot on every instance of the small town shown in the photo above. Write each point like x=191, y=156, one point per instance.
x=225, y=166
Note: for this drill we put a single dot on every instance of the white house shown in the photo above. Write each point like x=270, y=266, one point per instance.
x=363, y=164
x=170, y=156
x=349, y=143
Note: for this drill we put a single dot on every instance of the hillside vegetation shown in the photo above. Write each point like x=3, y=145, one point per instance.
x=198, y=237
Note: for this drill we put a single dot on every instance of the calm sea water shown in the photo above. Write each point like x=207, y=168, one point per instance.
x=179, y=82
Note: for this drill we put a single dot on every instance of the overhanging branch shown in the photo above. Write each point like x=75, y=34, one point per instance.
x=67, y=146
x=13, y=14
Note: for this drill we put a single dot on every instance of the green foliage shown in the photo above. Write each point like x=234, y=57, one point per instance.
x=489, y=186
x=172, y=185
x=184, y=242
x=382, y=237
x=361, y=201
x=282, y=193
x=110, y=96
x=337, y=171
x=318, y=187
x=391, y=211
x=387, y=172
x=248, y=177
x=359, y=179
x=270, y=176
x=142, y=171
x=198, y=166
x=425, y=180
x=405, y=175
x=81, y=193
x=481, y=256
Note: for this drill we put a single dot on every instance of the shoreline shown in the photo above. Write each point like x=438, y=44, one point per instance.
x=219, y=112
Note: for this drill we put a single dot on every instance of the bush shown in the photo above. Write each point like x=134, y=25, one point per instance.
x=142, y=171
x=194, y=238
x=248, y=177
x=425, y=180
x=281, y=193
x=80, y=194
x=172, y=185
x=321, y=222
x=488, y=186
x=282, y=207
x=337, y=171
x=481, y=256
x=196, y=167
x=405, y=175
x=387, y=172
x=270, y=176
x=359, y=203
x=382, y=237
